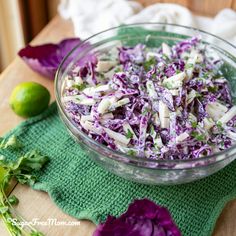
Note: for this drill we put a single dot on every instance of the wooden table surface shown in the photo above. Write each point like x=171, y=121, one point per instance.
x=36, y=204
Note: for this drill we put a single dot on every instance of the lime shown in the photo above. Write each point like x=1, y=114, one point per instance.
x=29, y=99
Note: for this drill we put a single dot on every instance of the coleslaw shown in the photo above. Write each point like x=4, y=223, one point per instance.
x=171, y=102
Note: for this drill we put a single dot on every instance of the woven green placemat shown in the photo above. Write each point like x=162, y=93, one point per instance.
x=84, y=190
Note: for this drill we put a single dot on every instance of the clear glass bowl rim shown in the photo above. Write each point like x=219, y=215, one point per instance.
x=119, y=156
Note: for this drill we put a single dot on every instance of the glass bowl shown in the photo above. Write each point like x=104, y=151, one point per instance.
x=144, y=170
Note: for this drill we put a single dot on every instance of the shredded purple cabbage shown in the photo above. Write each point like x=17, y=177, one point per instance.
x=159, y=103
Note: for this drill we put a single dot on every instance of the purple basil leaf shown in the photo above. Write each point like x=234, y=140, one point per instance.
x=143, y=218
x=46, y=58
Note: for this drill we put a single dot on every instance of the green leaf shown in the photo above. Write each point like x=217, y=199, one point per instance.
x=32, y=160
x=36, y=233
x=3, y=173
x=129, y=134
x=3, y=209
x=25, y=179
x=13, y=200
x=22, y=169
x=10, y=142
x=6, y=180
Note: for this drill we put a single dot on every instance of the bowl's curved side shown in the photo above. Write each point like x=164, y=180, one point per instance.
x=142, y=169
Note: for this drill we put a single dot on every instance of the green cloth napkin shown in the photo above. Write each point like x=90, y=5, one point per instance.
x=86, y=191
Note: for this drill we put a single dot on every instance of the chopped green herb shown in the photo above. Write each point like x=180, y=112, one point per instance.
x=219, y=125
x=200, y=79
x=212, y=89
x=131, y=153
x=154, y=76
x=152, y=130
x=129, y=134
x=165, y=57
x=147, y=64
x=168, y=85
x=79, y=86
x=198, y=95
x=189, y=66
x=118, y=69
x=178, y=71
x=197, y=136
x=194, y=124
x=145, y=111
x=206, y=75
x=200, y=137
